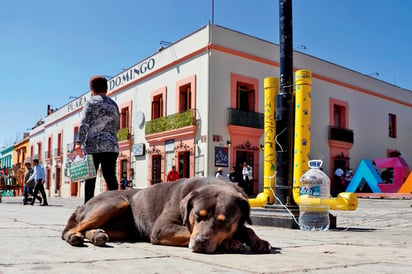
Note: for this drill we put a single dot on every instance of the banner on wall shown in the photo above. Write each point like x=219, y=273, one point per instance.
x=221, y=157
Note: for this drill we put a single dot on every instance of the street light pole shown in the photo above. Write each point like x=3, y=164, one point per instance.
x=284, y=106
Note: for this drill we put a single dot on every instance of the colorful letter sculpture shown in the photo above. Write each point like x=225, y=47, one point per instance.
x=407, y=185
x=400, y=172
x=365, y=172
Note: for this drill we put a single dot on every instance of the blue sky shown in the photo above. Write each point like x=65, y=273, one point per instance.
x=49, y=49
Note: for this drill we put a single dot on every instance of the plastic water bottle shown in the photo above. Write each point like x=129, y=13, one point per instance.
x=314, y=198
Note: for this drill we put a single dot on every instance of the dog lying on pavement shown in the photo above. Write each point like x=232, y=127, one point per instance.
x=204, y=214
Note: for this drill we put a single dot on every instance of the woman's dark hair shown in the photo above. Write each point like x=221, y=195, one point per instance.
x=98, y=84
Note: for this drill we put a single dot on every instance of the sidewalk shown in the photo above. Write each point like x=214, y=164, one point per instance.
x=376, y=238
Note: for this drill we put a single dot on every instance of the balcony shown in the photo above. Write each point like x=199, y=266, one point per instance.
x=123, y=134
x=170, y=122
x=245, y=118
x=341, y=134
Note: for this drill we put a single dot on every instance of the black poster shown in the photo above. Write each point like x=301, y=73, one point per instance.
x=221, y=157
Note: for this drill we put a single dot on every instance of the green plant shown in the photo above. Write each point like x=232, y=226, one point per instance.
x=123, y=134
x=170, y=122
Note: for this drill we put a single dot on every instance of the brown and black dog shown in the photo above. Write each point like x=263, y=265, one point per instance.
x=205, y=214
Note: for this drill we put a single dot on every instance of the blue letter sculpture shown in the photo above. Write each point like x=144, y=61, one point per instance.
x=367, y=172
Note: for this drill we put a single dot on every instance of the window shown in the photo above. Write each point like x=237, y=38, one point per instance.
x=75, y=135
x=49, y=148
x=124, y=118
x=123, y=169
x=39, y=152
x=157, y=106
x=186, y=94
x=158, y=103
x=59, y=144
x=392, y=125
x=339, y=116
x=245, y=97
x=23, y=156
x=185, y=98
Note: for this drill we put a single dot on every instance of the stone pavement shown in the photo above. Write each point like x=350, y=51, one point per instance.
x=376, y=238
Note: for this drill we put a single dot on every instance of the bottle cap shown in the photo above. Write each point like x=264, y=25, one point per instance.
x=315, y=163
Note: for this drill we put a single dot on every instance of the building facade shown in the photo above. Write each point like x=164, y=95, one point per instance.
x=6, y=163
x=198, y=104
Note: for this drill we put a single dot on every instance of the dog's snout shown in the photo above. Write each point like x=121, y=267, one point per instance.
x=202, y=243
x=201, y=239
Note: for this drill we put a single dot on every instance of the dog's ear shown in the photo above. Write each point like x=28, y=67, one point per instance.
x=186, y=205
x=244, y=206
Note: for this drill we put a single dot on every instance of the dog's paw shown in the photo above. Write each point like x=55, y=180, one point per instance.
x=234, y=246
x=261, y=246
x=75, y=239
x=98, y=237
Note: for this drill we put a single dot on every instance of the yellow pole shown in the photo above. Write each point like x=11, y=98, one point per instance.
x=303, y=80
x=271, y=87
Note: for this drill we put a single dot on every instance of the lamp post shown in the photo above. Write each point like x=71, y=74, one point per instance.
x=284, y=106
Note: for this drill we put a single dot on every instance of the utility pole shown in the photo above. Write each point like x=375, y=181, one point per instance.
x=285, y=106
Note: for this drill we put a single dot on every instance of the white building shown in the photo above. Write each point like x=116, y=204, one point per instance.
x=198, y=104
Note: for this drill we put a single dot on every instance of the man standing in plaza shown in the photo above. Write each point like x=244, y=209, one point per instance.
x=39, y=176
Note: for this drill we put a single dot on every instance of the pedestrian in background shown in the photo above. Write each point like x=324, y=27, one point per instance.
x=39, y=177
x=29, y=185
x=172, y=175
x=124, y=183
x=247, y=173
x=99, y=124
x=219, y=173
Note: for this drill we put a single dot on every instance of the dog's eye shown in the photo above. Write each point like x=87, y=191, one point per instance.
x=201, y=215
x=221, y=218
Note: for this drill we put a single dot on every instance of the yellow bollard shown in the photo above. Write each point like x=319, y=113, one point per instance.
x=303, y=81
x=271, y=87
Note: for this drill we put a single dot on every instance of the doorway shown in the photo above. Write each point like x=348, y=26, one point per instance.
x=156, y=169
x=244, y=156
x=184, y=164
x=123, y=171
x=58, y=181
x=336, y=183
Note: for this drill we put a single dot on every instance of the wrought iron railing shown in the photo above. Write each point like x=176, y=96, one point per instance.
x=246, y=118
x=341, y=134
